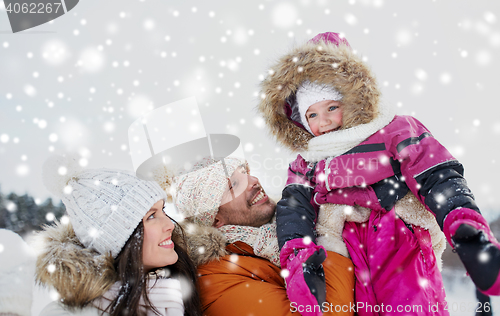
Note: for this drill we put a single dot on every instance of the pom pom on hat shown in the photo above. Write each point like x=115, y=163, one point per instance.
x=58, y=171
x=331, y=38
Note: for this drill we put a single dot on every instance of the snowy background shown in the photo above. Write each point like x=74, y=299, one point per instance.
x=78, y=83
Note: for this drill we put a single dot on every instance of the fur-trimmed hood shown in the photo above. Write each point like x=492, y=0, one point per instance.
x=323, y=63
x=79, y=275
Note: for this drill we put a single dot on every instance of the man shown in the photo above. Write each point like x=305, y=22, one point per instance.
x=232, y=239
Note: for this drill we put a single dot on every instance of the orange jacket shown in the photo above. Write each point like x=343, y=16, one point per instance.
x=244, y=284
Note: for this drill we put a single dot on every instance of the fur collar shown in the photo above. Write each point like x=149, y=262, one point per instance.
x=204, y=244
x=79, y=275
x=322, y=63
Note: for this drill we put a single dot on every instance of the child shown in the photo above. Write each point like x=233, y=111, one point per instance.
x=322, y=101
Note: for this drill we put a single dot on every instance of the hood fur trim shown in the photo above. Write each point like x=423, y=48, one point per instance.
x=204, y=244
x=79, y=275
x=322, y=63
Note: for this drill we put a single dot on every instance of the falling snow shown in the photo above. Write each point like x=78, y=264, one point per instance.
x=91, y=60
x=55, y=52
x=284, y=15
x=86, y=77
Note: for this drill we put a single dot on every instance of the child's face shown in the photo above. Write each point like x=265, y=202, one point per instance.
x=324, y=117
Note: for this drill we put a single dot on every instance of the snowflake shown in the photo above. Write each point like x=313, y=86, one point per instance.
x=4, y=138
x=307, y=240
x=284, y=15
x=351, y=19
x=53, y=137
x=22, y=170
x=484, y=257
x=65, y=220
x=284, y=273
x=233, y=258
x=421, y=74
x=51, y=268
x=30, y=90
x=11, y=206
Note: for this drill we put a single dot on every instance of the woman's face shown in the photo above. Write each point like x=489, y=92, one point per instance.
x=158, y=247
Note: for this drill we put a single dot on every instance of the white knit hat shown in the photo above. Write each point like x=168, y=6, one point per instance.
x=17, y=268
x=310, y=93
x=198, y=193
x=104, y=206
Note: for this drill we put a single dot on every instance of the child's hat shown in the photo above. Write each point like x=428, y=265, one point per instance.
x=331, y=38
x=310, y=93
x=104, y=206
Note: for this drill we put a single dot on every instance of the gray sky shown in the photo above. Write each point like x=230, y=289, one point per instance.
x=78, y=83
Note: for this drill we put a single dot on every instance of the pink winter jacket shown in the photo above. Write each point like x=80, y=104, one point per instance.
x=374, y=161
x=402, y=151
x=395, y=267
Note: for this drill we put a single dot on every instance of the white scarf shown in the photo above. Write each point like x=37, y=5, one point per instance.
x=165, y=295
x=336, y=143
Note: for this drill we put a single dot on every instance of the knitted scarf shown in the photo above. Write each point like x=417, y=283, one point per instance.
x=262, y=239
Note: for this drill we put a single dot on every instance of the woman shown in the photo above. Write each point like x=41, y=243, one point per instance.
x=121, y=254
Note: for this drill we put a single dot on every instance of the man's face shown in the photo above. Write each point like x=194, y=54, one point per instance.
x=244, y=202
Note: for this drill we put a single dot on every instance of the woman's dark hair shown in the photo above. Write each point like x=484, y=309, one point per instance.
x=185, y=268
x=133, y=277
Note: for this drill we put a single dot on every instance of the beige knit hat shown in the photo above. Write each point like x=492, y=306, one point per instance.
x=198, y=193
x=104, y=206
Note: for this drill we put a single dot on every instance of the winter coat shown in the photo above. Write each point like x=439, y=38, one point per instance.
x=374, y=161
x=85, y=279
x=382, y=169
x=234, y=281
